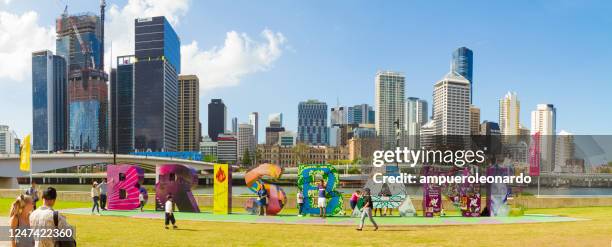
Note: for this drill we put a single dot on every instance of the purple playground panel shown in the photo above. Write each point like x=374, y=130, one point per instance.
x=122, y=190
x=177, y=180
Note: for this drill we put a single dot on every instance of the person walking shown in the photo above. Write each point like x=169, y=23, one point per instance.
x=367, y=210
x=321, y=199
x=103, y=190
x=95, y=197
x=45, y=217
x=20, y=221
x=169, y=209
x=263, y=200
x=300, y=202
x=142, y=196
x=33, y=192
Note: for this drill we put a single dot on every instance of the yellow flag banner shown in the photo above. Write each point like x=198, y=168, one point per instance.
x=25, y=156
x=222, y=196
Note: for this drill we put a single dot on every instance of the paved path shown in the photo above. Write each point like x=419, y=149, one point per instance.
x=337, y=220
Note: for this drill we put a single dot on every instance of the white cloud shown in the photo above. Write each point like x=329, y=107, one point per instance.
x=20, y=35
x=240, y=55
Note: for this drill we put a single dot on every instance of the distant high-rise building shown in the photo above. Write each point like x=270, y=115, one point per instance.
x=275, y=126
x=474, y=120
x=361, y=114
x=427, y=136
x=122, y=105
x=491, y=137
x=463, y=64
x=275, y=120
x=87, y=82
x=544, y=121
x=335, y=136
x=246, y=141
x=227, y=148
x=389, y=104
x=509, y=115
x=312, y=122
x=286, y=139
x=8, y=139
x=489, y=128
x=339, y=115
x=451, y=100
x=564, y=150
x=157, y=48
x=49, y=102
x=416, y=115
x=208, y=148
x=234, y=125
x=217, y=117
x=254, y=121
x=189, y=113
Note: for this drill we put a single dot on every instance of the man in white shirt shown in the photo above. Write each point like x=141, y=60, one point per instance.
x=169, y=208
x=42, y=218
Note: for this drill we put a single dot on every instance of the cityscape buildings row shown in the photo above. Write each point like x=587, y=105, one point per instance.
x=154, y=108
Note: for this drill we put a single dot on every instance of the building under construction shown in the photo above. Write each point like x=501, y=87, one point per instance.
x=80, y=41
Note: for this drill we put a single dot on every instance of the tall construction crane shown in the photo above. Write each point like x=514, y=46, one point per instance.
x=85, y=48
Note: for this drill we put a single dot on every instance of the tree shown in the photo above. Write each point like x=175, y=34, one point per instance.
x=300, y=153
x=210, y=158
x=246, y=158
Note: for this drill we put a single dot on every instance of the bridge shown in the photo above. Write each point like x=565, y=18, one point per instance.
x=9, y=164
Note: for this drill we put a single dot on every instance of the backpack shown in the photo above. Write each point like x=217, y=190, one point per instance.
x=62, y=243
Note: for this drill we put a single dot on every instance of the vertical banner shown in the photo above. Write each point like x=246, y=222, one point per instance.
x=25, y=156
x=534, y=155
x=222, y=197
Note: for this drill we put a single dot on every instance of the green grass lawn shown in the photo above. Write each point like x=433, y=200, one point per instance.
x=123, y=231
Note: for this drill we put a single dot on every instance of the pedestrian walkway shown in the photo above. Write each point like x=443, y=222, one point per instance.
x=336, y=220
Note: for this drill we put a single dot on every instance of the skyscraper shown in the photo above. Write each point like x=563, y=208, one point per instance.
x=474, y=120
x=234, y=125
x=189, y=113
x=122, y=105
x=49, y=102
x=8, y=138
x=157, y=48
x=217, y=117
x=254, y=121
x=509, y=114
x=463, y=64
x=339, y=115
x=389, y=104
x=79, y=41
x=360, y=114
x=544, y=121
x=275, y=126
x=451, y=99
x=416, y=115
x=312, y=122
x=246, y=141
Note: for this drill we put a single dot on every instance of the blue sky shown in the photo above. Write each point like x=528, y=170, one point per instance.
x=555, y=52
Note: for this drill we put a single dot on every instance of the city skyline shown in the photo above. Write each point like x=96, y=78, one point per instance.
x=495, y=69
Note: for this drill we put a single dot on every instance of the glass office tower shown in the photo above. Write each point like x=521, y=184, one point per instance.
x=463, y=64
x=312, y=123
x=157, y=51
x=122, y=105
x=49, y=97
